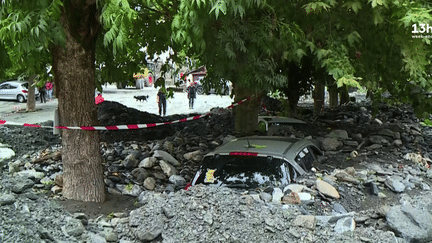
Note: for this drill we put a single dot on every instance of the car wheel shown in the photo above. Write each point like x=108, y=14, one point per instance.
x=21, y=99
x=200, y=90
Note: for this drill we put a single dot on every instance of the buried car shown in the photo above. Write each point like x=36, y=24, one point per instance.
x=257, y=161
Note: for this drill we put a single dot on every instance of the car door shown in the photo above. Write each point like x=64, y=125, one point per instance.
x=13, y=91
x=5, y=91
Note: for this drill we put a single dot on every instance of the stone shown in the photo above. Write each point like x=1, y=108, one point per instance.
x=412, y=224
x=94, y=238
x=376, y=139
x=266, y=197
x=73, y=227
x=295, y=188
x=6, y=153
x=168, y=169
x=338, y=134
x=160, y=154
x=350, y=143
x=109, y=234
x=150, y=234
x=177, y=180
x=305, y=221
x=330, y=144
x=344, y=225
x=7, y=199
x=130, y=189
x=59, y=179
x=387, y=132
x=190, y=155
x=338, y=208
x=291, y=198
x=139, y=174
x=31, y=174
x=304, y=196
x=398, y=143
x=327, y=189
x=22, y=184
x=394, y=184
x=344, y=176
x=13, y=167
x=425, y=187
x=56, y=189
x=148, y=162
x=130, y=162
x=149, y=183
x=277, y=195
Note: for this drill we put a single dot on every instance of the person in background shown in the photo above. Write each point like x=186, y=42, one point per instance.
x=161, y=99
x=191, y=90
x=42, y=92
x=49, y=87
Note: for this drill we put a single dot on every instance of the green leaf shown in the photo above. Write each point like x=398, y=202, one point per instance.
x=353, y=37
x=355, y=6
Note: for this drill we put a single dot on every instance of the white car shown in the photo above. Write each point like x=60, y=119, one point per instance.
x=15, y=90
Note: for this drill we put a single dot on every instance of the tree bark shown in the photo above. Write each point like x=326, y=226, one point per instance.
x=75, y=82
x=31, y=102
x=333, y=96
x=344, y=99
x=319, y=95
x=246, y=114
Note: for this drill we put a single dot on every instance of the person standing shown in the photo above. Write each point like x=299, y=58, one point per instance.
x=49, y=87
x=42, y=92
x=161, y=99
x=191, y=94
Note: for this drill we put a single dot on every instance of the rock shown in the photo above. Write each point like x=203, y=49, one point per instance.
x=166, y=157
x=149, y=183
x=139, y=174
x=277, y=195
x=148, y=162
x=22, y=184
x=376, y=139
x=7, y=199
x=304, y=196
x=329, y=144
x=387, y=132
x=344, y=176
x=266, y=197
x=295, y=188
x=412, y=224
x=190, y=155
x=13, y=167
x=168, y=169
x=109, y=235
x=131, y=189
x=327, y=189
x=177, y=180
x=56, y=189
x=73, y=227
x=6, y=153
x=305, y=221
x=130, y=162
x=338, y=208
x=94, y=238
x=397, y=143
x=425, y=187
x=394, y=184
x=29, y=174
x=345, y=224
x=292, y=198
x=338, y=134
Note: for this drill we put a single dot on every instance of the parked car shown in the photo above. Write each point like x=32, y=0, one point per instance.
x=15, y=90
x=257, y=161
x=268, y=121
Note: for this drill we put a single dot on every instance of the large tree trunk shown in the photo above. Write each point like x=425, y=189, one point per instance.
x=31, y=103
x=333, y=96
x=75, y=82
x=319, y=97
x=246, y=114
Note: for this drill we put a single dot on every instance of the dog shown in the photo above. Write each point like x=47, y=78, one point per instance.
x=141, y=97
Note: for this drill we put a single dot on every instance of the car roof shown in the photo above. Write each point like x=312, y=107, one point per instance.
x=15, y=82
x=270, y=145
x=278, y=119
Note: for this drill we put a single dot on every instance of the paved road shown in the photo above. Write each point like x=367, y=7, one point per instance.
x=15, y=112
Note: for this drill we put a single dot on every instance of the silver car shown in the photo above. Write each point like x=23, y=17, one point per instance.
x=257, y=161
x=15, y=90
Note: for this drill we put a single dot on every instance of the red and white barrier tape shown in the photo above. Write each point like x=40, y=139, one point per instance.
x=118, y=127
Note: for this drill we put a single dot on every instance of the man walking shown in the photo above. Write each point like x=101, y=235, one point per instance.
x=42, y=92
x=191, y=94
x=161, y=99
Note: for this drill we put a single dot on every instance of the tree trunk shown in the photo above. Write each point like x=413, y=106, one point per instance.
x=333, y=96
x=31, y=103
x=246, y=114
x=344, y=99
x=319, y=95
x=75, y=82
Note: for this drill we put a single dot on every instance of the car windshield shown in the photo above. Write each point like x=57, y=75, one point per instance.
x=241, y=171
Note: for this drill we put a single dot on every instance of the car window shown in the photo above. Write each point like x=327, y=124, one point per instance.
x=25, y=85
x=3, y=86
x=305, y=158
x=234, y=170
x=12, y=86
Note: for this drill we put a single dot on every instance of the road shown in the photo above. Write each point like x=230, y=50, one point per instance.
x=177, y=105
